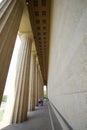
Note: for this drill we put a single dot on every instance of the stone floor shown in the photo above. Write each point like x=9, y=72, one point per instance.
x=43, y=118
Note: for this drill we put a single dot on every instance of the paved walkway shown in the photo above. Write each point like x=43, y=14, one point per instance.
x=41, y=119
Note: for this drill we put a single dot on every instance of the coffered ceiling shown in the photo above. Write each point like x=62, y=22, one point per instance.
x=39, y=11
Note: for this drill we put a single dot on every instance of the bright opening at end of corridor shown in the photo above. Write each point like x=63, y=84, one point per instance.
x=45, y=91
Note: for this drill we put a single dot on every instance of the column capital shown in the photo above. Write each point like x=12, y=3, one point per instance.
x=33, y=50
x=26, y=35
x=37, y=62
x=34, y=53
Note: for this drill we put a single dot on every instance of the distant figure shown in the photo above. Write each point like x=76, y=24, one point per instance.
x=41, y=101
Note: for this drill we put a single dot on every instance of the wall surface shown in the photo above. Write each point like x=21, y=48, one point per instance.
x=67, y=76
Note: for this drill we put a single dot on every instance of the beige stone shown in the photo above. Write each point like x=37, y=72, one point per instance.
x=67, y=82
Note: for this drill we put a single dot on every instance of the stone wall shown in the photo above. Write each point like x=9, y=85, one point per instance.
x=67, y=76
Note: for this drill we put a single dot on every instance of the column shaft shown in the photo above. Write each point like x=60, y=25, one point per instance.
x=26, y=86
x=32, y=85
x=40, y=84
x=36, y=87
x=18, y=80
x=20, y=112
x=8, y=32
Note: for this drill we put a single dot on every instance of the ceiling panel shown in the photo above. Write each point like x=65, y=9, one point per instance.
x=39, y=11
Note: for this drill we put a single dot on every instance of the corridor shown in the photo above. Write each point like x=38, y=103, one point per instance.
x=53, y=53
x=43, y=118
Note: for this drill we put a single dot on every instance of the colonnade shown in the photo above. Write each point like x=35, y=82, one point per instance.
x=28, y=82
x=36, y=84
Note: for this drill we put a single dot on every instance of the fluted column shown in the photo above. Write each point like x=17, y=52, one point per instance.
x=40, y=84
x=29, y=103
x=23, y=68
x=41, y=87
x=33, y=80
x=19, y=71
x=22, y=83
x=10, y=15
x=38, y=80
x=36, y=86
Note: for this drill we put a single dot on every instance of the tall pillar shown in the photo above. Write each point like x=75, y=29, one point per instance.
x=40, y=84
x=22, y=83
x=19, y=71
x=33, y=81
x=9, y=12
x=38, y=81
x=23, y=69
x=25, y=86
x=36, y=87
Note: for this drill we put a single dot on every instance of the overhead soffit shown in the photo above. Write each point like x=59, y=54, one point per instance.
x=39, y=11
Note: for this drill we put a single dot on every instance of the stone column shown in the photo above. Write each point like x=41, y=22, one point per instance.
x=41, y=87
x=33, y=79
x=40, y=84
x=10, y=15
x=29, y=103
x=23, y=68
x=36, y=86
x=37, y=83
x=22, y=83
